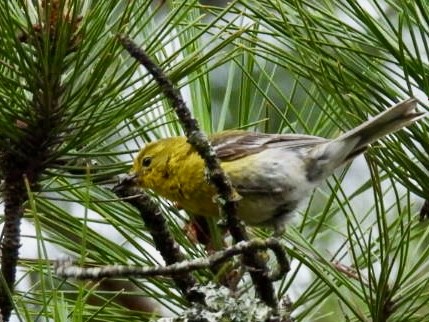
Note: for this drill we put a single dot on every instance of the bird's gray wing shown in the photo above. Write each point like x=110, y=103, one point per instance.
x=233, y=145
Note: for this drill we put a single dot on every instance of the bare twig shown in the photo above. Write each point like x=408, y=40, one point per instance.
x=67, y=269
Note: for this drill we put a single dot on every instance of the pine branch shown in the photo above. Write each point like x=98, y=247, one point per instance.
x=163, y=240
x=217, y=177
x=26, y=156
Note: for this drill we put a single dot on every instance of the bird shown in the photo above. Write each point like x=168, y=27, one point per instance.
x=271, y=173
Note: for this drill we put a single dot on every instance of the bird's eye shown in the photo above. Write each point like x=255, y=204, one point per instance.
x=146, y=161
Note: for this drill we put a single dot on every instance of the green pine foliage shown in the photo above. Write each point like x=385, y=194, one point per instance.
x=357, y=248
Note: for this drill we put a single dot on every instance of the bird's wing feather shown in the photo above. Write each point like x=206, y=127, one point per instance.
x=233, y=145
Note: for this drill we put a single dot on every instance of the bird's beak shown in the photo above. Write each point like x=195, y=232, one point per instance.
x=129, y=179
x=125, y=182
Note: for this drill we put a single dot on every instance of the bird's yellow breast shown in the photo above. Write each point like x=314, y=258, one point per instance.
x=177, y=173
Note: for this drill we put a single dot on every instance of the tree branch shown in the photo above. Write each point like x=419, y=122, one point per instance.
x=217, y=177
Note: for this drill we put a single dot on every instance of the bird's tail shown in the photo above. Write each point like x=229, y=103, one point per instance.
x=352, y=143
x=393, y=119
